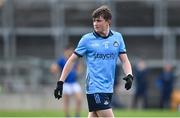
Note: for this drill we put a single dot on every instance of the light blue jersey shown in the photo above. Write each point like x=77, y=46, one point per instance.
x=101, y=54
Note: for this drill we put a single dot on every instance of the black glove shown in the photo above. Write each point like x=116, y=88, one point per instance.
x=129, y=80
x=58, y=90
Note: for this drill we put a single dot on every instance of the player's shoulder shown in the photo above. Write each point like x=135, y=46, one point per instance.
x=88, y=35
x=116, y=33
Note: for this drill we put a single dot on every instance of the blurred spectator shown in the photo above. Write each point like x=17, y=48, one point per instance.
x=165, y=84
x=140, y=73
x=175, y=102
x=71, y=86
x=1, y=3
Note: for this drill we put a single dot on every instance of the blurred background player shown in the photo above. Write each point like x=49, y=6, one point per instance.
x=141, y=74
x=165, y=82
x=71, y=86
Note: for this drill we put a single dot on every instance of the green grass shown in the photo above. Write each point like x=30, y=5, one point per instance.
x=118, y=113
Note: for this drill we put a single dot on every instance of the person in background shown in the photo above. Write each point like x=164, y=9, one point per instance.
x=141, y=74
x=165, y=81
x=71, y=86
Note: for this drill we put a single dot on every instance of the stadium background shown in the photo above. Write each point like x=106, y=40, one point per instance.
x=33, y=33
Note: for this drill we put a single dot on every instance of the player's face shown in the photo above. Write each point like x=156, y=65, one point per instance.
x=100, y=25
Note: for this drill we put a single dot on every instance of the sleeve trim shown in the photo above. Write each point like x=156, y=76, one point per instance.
x=78, y=54
x=122, y=53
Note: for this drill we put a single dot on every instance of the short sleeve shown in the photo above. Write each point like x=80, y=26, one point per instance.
x=122, y=47
x=81, y=48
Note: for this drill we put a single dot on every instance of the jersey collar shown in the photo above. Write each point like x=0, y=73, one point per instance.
x=104, y=37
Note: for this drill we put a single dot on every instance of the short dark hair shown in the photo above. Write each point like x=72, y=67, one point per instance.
x=103, y=11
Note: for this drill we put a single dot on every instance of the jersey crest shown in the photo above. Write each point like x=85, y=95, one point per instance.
x=115, y=44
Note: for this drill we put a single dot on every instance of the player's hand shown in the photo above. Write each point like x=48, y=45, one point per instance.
x=58, y=90
x=129, y=80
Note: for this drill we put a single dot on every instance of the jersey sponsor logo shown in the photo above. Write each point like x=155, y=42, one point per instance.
x=108, y=56
x=115, y=44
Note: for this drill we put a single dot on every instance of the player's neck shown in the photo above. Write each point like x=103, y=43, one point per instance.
x=105, y=33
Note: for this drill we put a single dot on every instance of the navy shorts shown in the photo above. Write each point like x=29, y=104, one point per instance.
x=99, y=101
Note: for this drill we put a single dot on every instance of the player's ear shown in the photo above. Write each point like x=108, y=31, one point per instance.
x=109, y=21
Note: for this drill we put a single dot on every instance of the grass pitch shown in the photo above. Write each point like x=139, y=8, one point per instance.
x=118, y=113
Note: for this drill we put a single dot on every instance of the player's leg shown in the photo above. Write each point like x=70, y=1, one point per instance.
x=145, y=100
x=78, y=104
x=66, y=105
x=105, y=113
x=78, y=98
x=92, y=114
x=135, y=100
x=66, y=99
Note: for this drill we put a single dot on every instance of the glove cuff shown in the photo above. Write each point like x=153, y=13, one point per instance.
x=130, y=76
x=60, y=83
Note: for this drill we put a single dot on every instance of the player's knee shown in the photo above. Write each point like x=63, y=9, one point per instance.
x=79, y=101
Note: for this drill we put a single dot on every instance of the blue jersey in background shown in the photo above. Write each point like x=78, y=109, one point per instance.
x=71, y=78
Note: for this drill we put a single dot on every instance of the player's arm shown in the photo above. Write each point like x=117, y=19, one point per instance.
x=79, y=67
x=125, y=64
x=67, y=68
x=127, y=70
